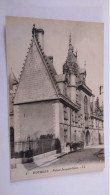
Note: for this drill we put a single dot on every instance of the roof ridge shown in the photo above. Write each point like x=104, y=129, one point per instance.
x=46, y=62
x=48, y=66
x=22, y=68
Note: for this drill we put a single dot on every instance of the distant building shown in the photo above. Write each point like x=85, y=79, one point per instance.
x=44, y=102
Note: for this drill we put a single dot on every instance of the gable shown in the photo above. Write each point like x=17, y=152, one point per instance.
x=35, y=83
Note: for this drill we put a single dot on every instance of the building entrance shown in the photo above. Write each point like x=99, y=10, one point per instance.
x=87, y=138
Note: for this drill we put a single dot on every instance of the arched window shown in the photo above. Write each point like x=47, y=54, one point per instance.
x=85, y=105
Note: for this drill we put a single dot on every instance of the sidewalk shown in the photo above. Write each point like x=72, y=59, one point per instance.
x=48, y=160
x=38, y=163
x=94, y=146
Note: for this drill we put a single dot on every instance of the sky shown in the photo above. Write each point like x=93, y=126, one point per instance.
x=87, y=39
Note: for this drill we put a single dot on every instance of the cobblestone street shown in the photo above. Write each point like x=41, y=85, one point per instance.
x=87, y=155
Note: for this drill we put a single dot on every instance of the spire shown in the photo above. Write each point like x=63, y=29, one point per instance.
x=70, y=50
x=70, y=39
x=71, y=64
x=70, y=44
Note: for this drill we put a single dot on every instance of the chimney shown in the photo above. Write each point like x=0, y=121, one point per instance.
x=39, y=34
x=41, y=37
x=51, y=59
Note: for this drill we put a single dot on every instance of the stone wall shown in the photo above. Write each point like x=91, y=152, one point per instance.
x=33, y=120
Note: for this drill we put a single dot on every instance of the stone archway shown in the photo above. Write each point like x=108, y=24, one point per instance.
x=87, y=138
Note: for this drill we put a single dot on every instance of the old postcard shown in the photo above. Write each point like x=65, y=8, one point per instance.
x=55, y=92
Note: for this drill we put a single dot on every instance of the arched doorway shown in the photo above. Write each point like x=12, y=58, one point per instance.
x=87, y=138
x=12, y=141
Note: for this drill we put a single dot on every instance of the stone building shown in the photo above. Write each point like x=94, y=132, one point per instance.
x=44, y=102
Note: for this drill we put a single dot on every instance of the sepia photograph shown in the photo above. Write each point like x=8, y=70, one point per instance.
x=55, y=97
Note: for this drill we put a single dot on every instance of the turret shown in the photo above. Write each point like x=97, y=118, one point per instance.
x=71, y=64
x=71, y=70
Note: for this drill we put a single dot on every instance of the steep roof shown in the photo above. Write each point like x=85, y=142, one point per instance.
x=37, y=80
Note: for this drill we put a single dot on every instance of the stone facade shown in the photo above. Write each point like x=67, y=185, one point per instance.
x=46, y=103
x=28, y=120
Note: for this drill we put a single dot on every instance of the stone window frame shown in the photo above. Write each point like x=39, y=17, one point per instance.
x=85, y=104
x=65, y=134
x=65, y=112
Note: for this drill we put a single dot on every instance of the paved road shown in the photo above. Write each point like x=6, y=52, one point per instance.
x=87, y=155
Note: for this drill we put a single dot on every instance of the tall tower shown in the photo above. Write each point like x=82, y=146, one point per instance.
x=71, y=64
x=71, y=70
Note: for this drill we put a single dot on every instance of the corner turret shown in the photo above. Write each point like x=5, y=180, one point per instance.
x=71, y=65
